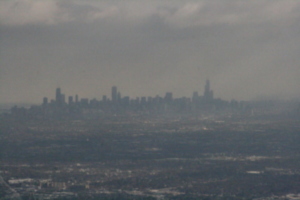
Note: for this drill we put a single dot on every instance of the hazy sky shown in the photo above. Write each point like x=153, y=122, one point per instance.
x=248, y=49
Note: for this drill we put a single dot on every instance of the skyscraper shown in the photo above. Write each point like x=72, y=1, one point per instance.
x=70, y=101
x=207, y=89
x=168, y=97
x=119, y=97
x=195, y=97
x=114, y=94
x=58, y=97
x=104, y=98
x=63, y=99
x=45, y=101
x=208, y=94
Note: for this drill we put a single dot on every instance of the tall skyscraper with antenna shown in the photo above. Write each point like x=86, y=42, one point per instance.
x=208, y=93
x=58, y=97
x=114, y=94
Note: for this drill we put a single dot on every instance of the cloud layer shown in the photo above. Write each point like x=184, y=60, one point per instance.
x=177, y=13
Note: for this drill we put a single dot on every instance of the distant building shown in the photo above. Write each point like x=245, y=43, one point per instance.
x=118, y=97
x=168, y=97
x=104, y=98
x=63, y=99
x=114, y=94
x=195, y=97
x=70, y=100
x=58, y=98
x=126, y=101
x=45, y=101
x=84, y=101
x=208, y=94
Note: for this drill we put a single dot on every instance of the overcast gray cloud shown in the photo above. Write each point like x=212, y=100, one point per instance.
x=248, y=49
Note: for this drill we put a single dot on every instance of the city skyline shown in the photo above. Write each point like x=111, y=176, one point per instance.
x=61, y=98
x=248, y=50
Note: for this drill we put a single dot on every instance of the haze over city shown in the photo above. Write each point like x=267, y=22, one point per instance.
x=247, y=49
x=150, y=99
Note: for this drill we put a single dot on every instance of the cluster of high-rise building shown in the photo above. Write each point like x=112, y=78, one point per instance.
x=117, y=104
